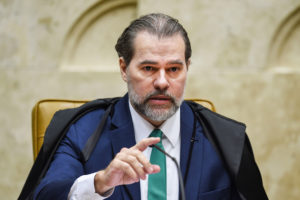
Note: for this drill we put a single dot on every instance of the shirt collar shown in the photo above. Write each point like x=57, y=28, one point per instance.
x=142, y=128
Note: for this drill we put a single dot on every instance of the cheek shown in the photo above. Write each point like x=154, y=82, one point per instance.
x=177, y=88
x=141, y=86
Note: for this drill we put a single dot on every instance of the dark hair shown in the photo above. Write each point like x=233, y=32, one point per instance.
x=156, y=23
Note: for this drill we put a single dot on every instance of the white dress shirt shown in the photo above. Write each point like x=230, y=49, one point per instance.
x=83, y=187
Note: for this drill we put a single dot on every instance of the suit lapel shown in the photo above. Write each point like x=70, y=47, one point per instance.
x=188, y=167
x=122, y=135
x=186, y=131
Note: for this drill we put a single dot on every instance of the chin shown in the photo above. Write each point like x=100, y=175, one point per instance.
x=159, y=114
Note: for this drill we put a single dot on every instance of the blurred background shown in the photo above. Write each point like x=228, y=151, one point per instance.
x=246, y=59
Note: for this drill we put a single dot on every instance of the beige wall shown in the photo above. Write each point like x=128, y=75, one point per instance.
x=245, y=59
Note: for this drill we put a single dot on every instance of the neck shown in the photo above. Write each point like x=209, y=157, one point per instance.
x=156, y=124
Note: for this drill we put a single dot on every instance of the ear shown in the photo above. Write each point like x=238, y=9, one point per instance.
x=123, y=68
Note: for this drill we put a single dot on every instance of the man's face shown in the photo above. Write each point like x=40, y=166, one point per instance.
x=156, y=76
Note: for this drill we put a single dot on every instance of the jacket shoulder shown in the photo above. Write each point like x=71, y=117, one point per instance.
x=54, y=133
x=62, y=119
x=226, y=135
x=232, y=143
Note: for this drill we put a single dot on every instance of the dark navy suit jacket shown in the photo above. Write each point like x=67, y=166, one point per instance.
x=207, y=178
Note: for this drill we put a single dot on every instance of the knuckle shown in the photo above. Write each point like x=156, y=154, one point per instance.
x=119, y=155
x=115, y=163
x=131, y=158
x=136, y=152
x=124, y=149
x=126, y=166
x=144, y=140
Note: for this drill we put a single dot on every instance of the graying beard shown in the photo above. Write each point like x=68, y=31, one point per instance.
x=149, y=112
x=159, y=116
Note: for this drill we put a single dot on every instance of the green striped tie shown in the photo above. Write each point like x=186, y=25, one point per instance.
x=157, y=183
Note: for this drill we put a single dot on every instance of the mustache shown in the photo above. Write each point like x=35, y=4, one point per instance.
x=160, y=92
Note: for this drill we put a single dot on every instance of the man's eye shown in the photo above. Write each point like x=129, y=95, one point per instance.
x=148, y=68
x=174, y=69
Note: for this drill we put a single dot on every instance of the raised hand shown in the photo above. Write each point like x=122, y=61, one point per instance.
x=129, y=166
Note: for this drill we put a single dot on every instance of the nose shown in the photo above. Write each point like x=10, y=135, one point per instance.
x=161, y=82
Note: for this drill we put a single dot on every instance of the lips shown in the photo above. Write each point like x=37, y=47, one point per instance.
x=159, y=99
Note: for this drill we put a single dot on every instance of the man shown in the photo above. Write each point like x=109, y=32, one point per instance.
x=154, y=57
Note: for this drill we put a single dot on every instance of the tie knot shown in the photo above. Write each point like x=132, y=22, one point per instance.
x=156, y=133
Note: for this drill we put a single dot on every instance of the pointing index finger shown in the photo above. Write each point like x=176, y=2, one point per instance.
x=143, y=144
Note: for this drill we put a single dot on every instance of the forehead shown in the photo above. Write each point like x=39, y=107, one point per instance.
x=150, y=45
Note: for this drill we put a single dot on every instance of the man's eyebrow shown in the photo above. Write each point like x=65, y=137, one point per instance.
x=148, y=62
x=178, y=62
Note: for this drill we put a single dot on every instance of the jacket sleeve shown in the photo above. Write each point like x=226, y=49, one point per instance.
x=65, y=168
